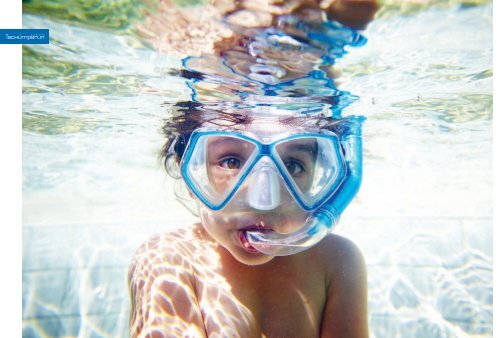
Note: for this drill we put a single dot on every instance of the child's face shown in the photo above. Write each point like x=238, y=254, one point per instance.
x=225, y=158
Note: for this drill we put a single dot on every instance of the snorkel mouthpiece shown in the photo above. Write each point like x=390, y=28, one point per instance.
x=317, y=226
x=324, y=219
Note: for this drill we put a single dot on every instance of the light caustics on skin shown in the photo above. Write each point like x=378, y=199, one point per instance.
x=180, y=281
x=164, y=294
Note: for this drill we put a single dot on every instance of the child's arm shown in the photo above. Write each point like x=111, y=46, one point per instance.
x=162, y=295
x=345, y=314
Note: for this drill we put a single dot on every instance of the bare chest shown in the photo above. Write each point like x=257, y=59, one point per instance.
x=276, y=304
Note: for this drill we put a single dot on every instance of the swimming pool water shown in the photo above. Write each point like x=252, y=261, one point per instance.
x=93, y=188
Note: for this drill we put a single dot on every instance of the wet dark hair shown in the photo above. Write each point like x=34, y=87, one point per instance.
x=186, y=117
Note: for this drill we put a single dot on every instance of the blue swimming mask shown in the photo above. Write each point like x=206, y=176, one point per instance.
x=282, y=191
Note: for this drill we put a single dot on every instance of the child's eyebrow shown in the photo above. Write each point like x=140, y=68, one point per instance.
x=302, y=147
x=223, y=141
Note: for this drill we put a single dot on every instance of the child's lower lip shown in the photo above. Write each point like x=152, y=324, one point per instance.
x=242, y=235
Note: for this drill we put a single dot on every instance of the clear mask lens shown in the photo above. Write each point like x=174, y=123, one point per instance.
x=312, y=165
x=216, y=165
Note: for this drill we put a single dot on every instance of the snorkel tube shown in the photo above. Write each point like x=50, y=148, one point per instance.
x=323, y=220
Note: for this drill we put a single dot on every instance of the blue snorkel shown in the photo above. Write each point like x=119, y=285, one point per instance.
x=323, y=220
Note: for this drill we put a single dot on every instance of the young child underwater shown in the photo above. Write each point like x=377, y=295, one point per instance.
x=262, y=261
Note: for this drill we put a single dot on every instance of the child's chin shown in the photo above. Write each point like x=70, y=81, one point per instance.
x=251, y=258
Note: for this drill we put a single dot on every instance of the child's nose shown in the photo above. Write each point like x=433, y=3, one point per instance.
x=264, y=189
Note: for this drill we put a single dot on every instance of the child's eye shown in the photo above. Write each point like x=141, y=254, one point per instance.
x=294, y=167
x=230, y=163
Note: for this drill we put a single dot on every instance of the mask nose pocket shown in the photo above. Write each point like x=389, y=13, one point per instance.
x=264, y=190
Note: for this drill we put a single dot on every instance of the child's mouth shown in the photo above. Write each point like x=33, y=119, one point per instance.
x=242, y=235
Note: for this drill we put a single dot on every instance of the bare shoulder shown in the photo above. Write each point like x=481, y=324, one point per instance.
x=178, y=247
x=341, y=255
x=158, y=250
x=346, y=305
x=337, y=255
